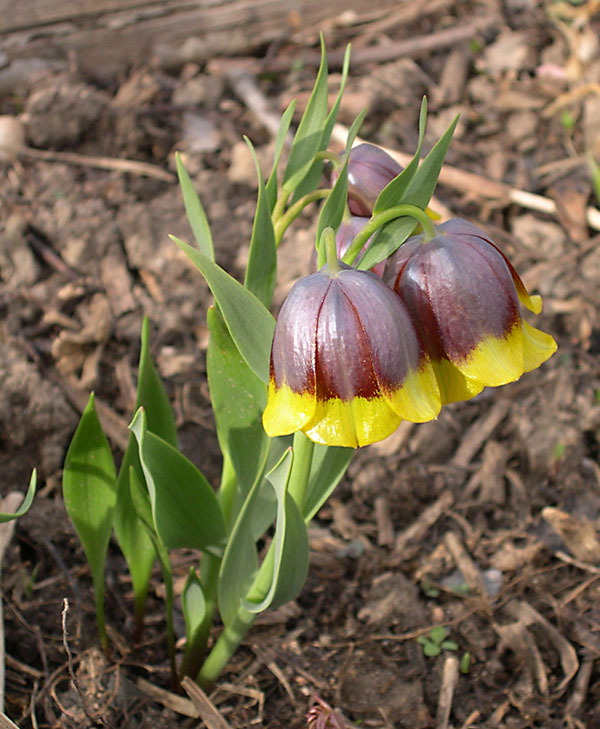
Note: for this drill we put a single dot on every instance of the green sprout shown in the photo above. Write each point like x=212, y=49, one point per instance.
x=436, y=641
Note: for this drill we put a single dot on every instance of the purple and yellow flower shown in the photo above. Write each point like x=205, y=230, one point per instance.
x=463, y=296
x=346, y=363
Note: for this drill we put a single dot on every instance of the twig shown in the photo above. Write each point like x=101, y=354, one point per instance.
x=469, y=182
x=85, y=160
x=425, y=521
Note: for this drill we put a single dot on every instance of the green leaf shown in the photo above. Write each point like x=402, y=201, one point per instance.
x=329, y=464
x=238, y=398
x=194, y=211
x=185, y=510
x=308, y=136
x=289, y=548
x=284, y=125
x=392, y=193
x=27, y=501
x=261, y=271
x=313, y=176
x=335, y=205
x=389, y=238
x=240, y=562
x=193, y=604
x=141, y=503
x=438, y=633
x=250, y=323
x=131, y=534
x=423, y=183
x=89, y=492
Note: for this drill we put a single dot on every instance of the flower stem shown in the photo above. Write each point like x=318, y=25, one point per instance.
x=282, y=221
x=303, y=449
x=328, y=243
x=398, y=211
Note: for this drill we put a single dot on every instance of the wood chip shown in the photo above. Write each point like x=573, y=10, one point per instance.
x=465, y=564
x=479, y=433
x=446, y=695
x=208, y=712
x=579, y=534
x=426, y=520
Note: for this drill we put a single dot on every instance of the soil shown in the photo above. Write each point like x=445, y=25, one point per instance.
x=484, y=521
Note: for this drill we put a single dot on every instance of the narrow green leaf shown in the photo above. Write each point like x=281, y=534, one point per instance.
x=284, y=125
x=392, y=193
x=27, y=501
x=307, y=139
x=89, y=492
x=289, y=548
x=389, y=238
x=185, y=510
x=261, y=271
x=132, y=536
x=194, y=211
x=335, y=205
x=329, y=464
x=238, y=398
x=313, y=176
x=250, y=323
x=423, y=183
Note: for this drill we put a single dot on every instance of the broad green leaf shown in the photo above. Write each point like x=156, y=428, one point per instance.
x=284, y=125
x=288, y=551
x=394, y=190
x=250, y=323
x=389, y=238
x=329, y=464
x=141, y=503
x=261, y=271
x=307, y=139
x=133, y=538
x=89, y=492
x=335, y=205
x=185, y=510
x=313, y=176
x=194, y=211
x=27, y=501
x=238, y=398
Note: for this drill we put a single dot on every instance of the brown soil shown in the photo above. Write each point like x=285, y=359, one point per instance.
x=484, y=520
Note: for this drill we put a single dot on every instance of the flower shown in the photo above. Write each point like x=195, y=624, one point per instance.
x=370, y=169
x=463, y=295
x=346, y=363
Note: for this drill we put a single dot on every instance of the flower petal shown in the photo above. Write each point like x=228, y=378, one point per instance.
x=537, y=347
x=496, y=360
x=287, y=411
x=352, y=423
x=454, y=386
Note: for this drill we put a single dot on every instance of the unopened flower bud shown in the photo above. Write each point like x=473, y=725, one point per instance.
x=370, y=169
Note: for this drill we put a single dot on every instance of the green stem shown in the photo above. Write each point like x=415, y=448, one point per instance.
x=283, y=221
x=279, y=207
x=327, y=154
x=398, y=211
x=227, y=489
x=303, y=449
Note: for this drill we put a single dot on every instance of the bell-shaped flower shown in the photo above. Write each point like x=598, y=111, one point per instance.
x=346, y=363
x=463, y=295
x=370, y=169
